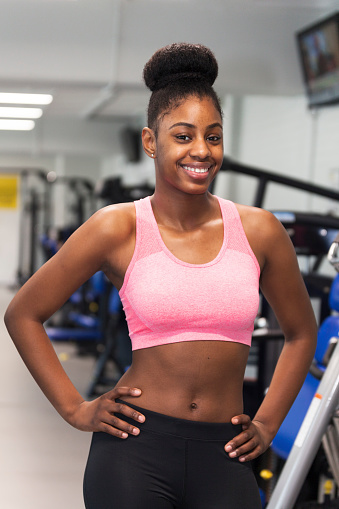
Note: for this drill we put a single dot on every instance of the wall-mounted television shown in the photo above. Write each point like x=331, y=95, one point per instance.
x=318, y=46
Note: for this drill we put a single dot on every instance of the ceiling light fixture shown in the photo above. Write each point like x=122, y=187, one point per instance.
x=12, y=112
x=16, y=125
x=15, y=98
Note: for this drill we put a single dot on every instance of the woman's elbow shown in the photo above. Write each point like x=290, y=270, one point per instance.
x=10, y=316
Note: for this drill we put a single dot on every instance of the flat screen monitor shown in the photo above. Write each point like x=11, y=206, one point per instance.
x=318, y=47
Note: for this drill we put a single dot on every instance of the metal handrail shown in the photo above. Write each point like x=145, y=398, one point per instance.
x=265, y=177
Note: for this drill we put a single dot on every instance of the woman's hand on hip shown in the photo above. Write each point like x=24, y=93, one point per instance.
x=99, y=414
x=251, y=442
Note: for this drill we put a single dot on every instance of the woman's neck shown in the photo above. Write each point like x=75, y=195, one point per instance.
x=183, y=211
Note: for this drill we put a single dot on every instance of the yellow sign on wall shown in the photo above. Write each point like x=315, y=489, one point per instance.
x=9, y=191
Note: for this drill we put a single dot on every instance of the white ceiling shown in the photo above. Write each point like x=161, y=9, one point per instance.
x=90, y=53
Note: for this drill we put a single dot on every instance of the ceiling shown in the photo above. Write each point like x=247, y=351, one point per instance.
x=90, y=53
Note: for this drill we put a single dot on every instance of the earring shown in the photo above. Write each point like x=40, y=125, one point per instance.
x=152, y=155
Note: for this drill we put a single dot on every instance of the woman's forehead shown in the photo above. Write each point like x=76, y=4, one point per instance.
x=192, y=109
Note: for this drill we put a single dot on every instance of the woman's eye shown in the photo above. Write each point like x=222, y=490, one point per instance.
x=214, y=138
x=183, y=137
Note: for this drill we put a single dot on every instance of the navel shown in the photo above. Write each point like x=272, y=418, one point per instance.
x=193, y=406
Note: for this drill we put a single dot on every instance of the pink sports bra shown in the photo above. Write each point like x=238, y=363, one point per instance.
x=167, y=300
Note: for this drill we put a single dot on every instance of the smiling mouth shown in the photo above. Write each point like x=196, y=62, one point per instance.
x=196, y=170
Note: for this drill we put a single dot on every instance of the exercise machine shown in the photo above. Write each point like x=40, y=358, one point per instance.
x=35, y=215
x=112, y=190
x=321, y=422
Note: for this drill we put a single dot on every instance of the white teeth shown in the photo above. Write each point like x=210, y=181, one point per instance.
x=196, y=170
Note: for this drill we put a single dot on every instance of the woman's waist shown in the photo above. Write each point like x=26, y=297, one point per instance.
x=157, y=422
x=191, y=400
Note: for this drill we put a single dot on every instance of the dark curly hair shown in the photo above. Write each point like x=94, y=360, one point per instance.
x=176, y=72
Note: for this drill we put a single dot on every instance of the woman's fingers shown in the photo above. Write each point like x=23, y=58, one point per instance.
x=117, y=392
x=119, y=428
x=244, y=449
x=249, y=443
x=106, y=414
x=108, y=407
x=242, y=419
x=120, y=408
x=245, y=437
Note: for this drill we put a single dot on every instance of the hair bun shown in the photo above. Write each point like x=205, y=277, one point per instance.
x=180, y=61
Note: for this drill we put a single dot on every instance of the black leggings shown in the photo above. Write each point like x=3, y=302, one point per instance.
x=172, y=464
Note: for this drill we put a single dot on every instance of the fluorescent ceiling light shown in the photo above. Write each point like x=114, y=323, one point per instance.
x=13, y=98
x=12, y=112
x=16, y=125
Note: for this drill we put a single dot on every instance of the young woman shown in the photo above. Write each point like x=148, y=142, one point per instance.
x=188, y=266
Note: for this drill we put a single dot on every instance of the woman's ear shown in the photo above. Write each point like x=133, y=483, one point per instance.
x=148, y=142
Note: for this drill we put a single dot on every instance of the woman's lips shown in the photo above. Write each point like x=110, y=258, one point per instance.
x=196, y=171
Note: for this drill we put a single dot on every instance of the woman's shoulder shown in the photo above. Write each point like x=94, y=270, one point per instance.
x=253, y=218
x=265, y=233
x=118, y=212
x=258, y=219
x=108, y=229
x=116, y=220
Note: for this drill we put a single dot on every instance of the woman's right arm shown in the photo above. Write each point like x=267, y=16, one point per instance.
x=88, y=250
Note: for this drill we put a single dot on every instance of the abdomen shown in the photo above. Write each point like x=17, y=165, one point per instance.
x=196, y=380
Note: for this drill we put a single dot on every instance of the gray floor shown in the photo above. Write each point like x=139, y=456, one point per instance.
x=42, y=458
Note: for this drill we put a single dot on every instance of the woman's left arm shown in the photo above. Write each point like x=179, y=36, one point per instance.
x=283, y=287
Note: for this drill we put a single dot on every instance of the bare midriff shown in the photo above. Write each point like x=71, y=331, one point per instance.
x=195, y=380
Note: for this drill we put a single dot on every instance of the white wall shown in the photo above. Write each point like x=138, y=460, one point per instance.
x=63, y=135
x=280, y=134
x=326, y=153
x=9, y=245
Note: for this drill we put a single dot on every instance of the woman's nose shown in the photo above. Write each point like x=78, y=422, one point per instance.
x=200, y=148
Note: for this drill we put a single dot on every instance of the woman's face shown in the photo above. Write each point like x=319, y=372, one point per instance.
x=189, y=146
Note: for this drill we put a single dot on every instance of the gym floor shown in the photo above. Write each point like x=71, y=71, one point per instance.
x=42, y=458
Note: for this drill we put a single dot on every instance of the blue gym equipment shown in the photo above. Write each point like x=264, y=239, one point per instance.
x=313, y=419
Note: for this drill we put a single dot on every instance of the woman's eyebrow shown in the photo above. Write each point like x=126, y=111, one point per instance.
x=192, y=126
